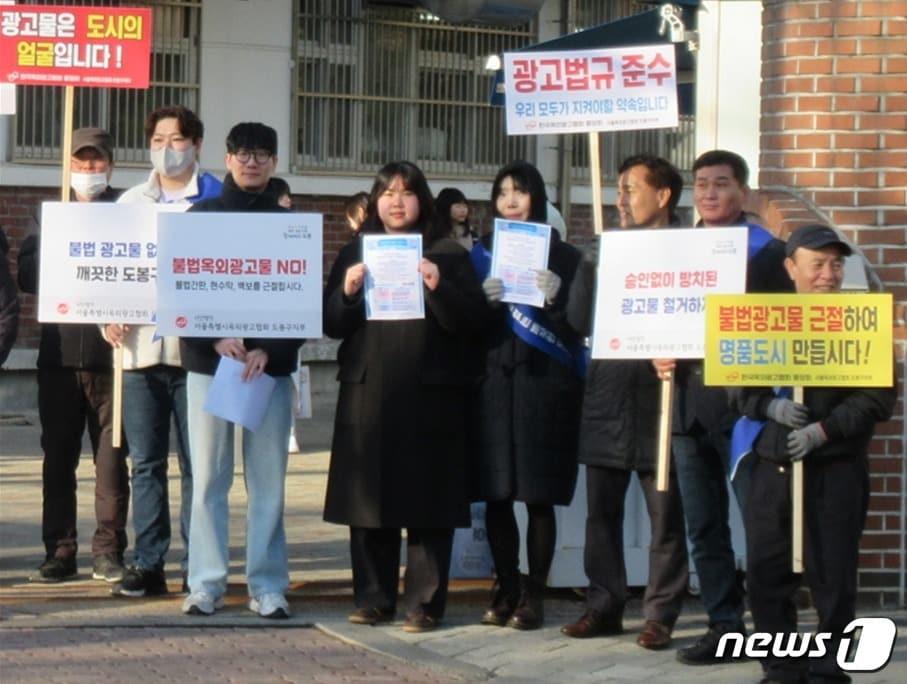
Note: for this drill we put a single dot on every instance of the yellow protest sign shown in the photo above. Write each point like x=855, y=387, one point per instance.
x=830, y=340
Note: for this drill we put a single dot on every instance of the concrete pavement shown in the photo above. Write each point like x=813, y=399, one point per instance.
x=77, y=632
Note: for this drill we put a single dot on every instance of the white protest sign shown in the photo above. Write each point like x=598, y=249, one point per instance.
x=651, y=289
x=578, y=91
x=239, y=275
x=519, y=250
x=98, y=263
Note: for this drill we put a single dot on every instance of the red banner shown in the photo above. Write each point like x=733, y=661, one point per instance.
x=88, y=47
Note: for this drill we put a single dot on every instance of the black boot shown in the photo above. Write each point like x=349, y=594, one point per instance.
x=530, y=611
x=503, y=603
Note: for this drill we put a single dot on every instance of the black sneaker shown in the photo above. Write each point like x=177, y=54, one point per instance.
x=108, y=567
x=703, y=651
x=139, y=582
x=56, y=570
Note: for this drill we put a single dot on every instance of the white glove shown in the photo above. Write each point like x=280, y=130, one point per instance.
x=549, y=283
x=494, y=289
x=805, y=440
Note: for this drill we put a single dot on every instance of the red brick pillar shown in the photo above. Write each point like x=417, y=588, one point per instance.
x=834, y=116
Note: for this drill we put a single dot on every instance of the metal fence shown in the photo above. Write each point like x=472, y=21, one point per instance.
x=175, y=63
x=377, y=84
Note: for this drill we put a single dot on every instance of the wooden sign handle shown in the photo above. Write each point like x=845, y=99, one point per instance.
x=796, y=485
x=663, y=464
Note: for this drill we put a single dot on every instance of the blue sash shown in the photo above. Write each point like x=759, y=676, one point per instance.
x=530, y=323
x=757, y=238
x=746, y=432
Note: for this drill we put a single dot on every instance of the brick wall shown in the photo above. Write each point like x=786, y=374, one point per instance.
x=834, y=115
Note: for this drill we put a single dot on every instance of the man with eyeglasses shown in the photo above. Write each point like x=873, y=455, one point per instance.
x=154, y=382
x=248, y=187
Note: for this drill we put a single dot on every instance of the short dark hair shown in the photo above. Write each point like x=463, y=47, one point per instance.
x=661, y=174
x=252, y=136
x=354, y=204
x=189, y=124
x=413, y=180
x=526, y=178
x=715, y=157
x=279, y=187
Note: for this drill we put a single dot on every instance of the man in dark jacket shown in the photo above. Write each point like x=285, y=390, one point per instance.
x=703, y=419
x=617, y=436
x=75, y=388
x=9, y=303
x=251, y=159
x=830, y=433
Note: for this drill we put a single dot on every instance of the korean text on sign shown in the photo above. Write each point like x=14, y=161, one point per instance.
x=810, y=340
x=98, y=263
x=590, y=90
x=226, y=275
x=103, y=47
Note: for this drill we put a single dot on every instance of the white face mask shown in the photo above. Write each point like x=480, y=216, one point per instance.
x=169, y=162
x=88, y=184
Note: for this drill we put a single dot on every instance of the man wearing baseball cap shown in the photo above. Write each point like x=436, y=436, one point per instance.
x=75, y=389
x=830, y=432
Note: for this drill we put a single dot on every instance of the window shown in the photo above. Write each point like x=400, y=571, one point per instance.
x=174, y=80
x=377, y=84
x=677, y=145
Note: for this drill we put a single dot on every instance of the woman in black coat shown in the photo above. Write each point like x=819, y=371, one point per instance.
x=398, y=457
x=528, y=409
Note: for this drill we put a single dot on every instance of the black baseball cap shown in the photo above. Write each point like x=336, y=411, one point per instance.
x=96, y=138
x=815, y=236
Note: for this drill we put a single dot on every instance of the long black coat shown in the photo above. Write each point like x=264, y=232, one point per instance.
x=398, y=457
x=527, y=407
x=619, y=423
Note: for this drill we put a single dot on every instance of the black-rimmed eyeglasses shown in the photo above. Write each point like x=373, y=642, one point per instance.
x=243, y=156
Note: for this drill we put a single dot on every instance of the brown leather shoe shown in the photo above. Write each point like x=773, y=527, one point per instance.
x=593, y=625
x=654, y=636
x=502, y=606
x=420, y=622
x=370, y=616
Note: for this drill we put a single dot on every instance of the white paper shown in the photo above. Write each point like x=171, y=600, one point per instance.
x=393, y=283
x=651, y=288
x=238, y=401
x=520, y=249
x=303, y=393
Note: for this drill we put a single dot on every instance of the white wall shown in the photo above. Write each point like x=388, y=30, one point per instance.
x=246, y=71
x=728, y=74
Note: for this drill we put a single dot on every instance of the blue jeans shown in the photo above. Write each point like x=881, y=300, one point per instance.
x=701, y=465
x=265, y=469
x=150, y=396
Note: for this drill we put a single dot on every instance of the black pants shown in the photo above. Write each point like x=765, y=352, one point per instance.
x=835, y=499
x=504, y=540
x=375, y=554
x=68, y=400
x=606, y=490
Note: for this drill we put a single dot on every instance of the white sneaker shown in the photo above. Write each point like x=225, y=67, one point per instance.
x=293, y=446
x=202, y=603
x=273, y=606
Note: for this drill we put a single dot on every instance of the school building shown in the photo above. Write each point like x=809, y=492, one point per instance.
x=810, y=92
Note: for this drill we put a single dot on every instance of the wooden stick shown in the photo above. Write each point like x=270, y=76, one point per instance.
x=116, y=440
x=796, y=485
x=68, y=98
x=595, y=173
x=663, y=464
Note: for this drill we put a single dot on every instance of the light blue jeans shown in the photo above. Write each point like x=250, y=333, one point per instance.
x=265, y=467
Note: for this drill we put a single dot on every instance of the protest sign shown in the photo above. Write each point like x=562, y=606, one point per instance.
x=98, y=263
x=101, y=47
x=651, y=289
x=239, y=275
x=577, y=91
x=818, y=340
